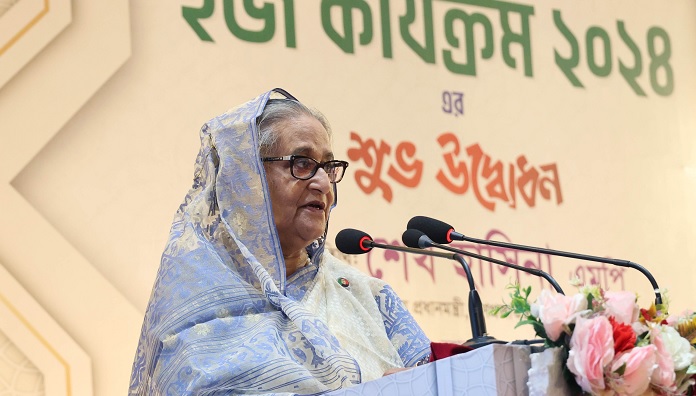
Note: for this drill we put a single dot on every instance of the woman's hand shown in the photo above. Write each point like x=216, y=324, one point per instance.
x=395, y=370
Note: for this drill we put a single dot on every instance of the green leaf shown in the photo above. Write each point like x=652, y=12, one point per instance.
x=517, y=305
x=621, y=370
x=539, y=330
x=527, y=322
x=643, y=340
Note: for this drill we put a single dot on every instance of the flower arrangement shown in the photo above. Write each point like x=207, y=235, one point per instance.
x=609, y=346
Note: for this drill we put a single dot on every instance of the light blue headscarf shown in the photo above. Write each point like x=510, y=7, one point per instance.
x=222, y=319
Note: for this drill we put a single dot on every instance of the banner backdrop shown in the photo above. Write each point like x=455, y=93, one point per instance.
x=560, y=124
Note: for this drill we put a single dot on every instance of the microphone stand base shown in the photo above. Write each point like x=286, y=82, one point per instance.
x=482, y=341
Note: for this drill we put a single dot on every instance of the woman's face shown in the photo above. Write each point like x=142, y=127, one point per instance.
x=300, y=207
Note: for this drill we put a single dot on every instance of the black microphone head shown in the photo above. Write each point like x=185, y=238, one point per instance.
x=413, y=238
x=351, y=241
x=437, y=230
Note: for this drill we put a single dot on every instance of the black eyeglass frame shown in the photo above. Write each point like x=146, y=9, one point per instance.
x=339, y=164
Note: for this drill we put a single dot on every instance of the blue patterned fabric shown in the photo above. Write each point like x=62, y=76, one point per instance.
x=222, y=318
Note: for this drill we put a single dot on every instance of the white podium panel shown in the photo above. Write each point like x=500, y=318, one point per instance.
x=492, y=370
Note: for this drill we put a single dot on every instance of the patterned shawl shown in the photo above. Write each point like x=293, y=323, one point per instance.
x=222, y=318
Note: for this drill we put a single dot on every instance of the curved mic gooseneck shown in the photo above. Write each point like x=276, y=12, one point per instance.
x=416, y=238
x=442, y=232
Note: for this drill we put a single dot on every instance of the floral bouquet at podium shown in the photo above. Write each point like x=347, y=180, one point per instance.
x=606, y=345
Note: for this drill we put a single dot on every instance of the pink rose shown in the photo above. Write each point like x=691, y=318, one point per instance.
x=556, y=311
x=639, y=365
x=591, y=351
x=664, y=375
x=622, y=306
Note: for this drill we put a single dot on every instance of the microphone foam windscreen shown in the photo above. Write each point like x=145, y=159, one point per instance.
x=436, y=230
x=410, y=238
x=349, y=241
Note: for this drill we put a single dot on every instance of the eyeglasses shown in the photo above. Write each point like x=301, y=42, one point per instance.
x=304, y=168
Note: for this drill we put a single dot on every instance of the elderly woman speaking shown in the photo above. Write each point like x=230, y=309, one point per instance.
x=246, y=300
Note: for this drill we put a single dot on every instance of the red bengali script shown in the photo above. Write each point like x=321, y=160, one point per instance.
x=463, y=170
x=486, y=274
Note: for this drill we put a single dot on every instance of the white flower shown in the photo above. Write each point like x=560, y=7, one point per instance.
x=678, y=347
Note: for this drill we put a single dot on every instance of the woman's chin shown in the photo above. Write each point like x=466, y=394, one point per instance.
x=311, y=224
x=311, y=233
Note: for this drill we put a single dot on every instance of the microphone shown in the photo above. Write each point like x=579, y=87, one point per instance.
x=417, y=239
x=351, y=241
x=442, y=233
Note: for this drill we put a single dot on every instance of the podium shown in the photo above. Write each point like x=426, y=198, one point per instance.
x=495, y=369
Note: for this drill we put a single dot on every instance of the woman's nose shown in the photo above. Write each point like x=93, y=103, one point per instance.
x=321, y=181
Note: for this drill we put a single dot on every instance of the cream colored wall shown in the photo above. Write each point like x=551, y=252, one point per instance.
x=68, y=318
x=100, y=104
